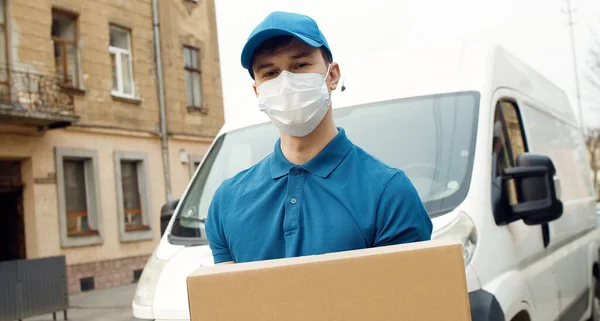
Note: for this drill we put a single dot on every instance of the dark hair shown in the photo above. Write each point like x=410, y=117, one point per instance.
x=272, y=44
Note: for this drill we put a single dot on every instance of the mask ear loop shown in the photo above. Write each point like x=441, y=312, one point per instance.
x=328, y=71
x=325, y=82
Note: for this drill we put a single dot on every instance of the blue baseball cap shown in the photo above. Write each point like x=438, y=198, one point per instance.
x=281, y=23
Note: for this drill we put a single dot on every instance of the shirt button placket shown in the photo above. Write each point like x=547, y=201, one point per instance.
x=294, y=197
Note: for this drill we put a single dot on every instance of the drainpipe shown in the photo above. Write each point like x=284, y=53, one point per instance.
x=161, y=100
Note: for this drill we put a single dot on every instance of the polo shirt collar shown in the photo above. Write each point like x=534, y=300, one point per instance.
x=321, y=165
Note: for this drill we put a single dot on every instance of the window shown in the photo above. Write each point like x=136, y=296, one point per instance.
x=508, y=142
x=121, y=62
x=439, y=163
x=513, y=126
x=78, y=197
x=192, y=77
x=64, y=35
x=132, y=204
x=133, y=196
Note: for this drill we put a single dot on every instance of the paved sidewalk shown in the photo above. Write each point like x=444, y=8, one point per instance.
x=112, y=304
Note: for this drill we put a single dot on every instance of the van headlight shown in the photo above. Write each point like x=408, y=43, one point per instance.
x=462, y=230
x=146, y=288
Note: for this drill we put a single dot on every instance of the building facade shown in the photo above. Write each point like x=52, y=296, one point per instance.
x=87, y=158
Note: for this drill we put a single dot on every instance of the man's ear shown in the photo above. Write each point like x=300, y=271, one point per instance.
x=334, y=76
x=254, y=87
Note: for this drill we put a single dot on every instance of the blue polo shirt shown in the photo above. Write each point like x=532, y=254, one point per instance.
x=342, y=199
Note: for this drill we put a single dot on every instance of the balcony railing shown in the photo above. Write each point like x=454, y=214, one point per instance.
x=36, y=99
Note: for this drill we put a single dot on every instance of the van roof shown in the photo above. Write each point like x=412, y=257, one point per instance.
x=470, y=66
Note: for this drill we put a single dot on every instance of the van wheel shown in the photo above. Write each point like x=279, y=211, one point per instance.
x=596, y=300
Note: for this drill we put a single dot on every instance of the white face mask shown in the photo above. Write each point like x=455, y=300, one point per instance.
x=295, y=103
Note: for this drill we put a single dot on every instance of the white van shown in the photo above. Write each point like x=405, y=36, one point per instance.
x=493, y=149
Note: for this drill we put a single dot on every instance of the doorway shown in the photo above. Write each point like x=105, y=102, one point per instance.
x=12, y=222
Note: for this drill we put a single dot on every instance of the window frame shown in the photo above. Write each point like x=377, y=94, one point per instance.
x=64, y=43
x=190, y=69
x=92, y=180
x=118, y=52
x=4, y=26
x=146, y=231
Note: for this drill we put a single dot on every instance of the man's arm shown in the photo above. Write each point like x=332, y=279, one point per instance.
x=214, y=230
x=401, y=216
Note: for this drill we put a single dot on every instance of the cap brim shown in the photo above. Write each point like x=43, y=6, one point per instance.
x=260, y=37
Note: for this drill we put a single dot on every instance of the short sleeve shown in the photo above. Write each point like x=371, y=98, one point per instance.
x=214, y=230
x=401, y=215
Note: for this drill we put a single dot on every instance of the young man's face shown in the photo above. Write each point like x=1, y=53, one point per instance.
x=296, y=57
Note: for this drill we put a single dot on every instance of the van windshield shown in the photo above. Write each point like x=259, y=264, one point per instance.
x=431, y=138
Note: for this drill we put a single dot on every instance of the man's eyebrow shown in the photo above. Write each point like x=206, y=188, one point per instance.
x=297, y=56
x=263, y=66
x=303, y=54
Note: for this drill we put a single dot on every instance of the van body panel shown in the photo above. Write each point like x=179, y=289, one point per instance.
x=170, y=300
x=508, y=286
x=564, y=144
x=473, y=283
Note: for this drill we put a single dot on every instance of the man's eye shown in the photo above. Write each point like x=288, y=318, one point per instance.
x=270, y=74
x=300, y=65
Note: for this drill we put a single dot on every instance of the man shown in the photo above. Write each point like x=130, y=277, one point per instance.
x=317, y=192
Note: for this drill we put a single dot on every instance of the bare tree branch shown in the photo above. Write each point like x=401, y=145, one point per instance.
x=592, y=141
x=591, y=79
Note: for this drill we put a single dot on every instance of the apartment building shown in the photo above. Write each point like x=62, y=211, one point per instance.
x=99, y=126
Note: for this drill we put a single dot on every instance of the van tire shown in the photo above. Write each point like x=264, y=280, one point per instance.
x=595, y=300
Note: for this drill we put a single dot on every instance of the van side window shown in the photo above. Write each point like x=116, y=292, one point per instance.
x=500, y=147
x=514, y=129
x=508, y=142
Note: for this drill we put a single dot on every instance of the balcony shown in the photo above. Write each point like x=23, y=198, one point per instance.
x=34, y=99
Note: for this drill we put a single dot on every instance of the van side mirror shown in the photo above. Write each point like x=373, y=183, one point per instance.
x=166, y=212
x=535, y=190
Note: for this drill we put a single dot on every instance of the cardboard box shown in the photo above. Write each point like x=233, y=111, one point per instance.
x=420, y=281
